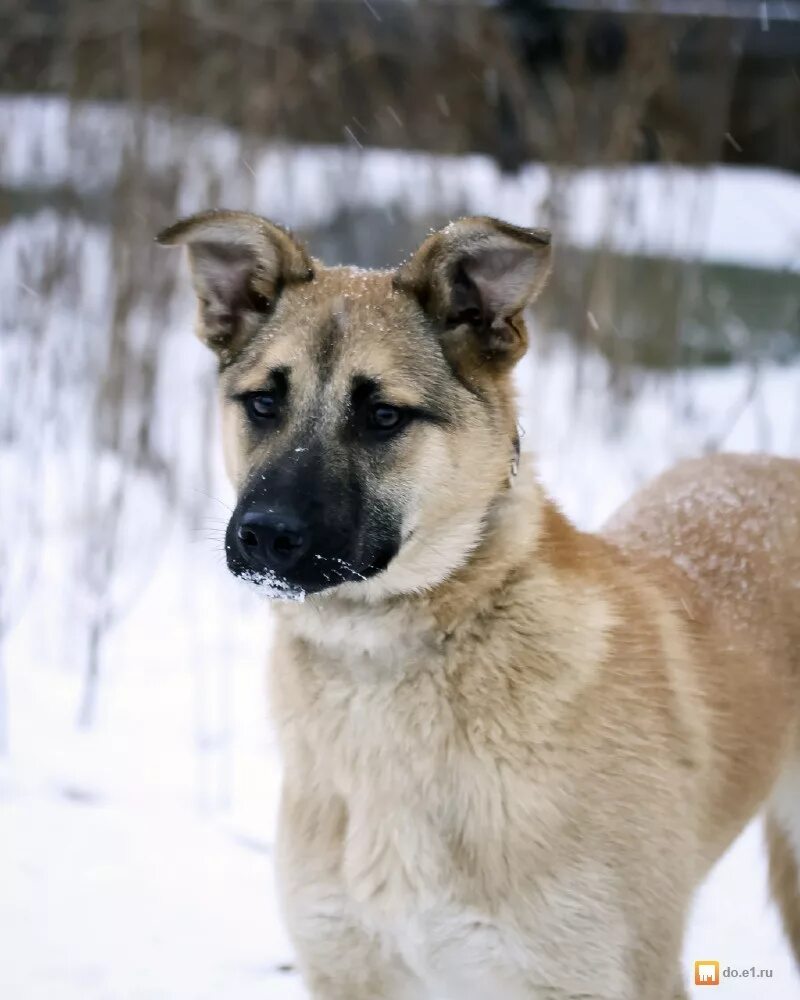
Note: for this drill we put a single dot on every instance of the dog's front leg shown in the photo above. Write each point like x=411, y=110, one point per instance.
x=338, y=957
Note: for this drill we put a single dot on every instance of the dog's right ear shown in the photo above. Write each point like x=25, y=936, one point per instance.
x=474, y=278
x=240, y=262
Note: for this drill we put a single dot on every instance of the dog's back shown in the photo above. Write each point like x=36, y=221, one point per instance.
x=731, y=525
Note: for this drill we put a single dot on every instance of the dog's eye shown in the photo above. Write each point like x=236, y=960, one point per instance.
x=261, y=407
x=259, y=302
x=472, y=316
x=385, y=418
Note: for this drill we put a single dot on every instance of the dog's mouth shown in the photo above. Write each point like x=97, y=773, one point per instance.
x=317, y=573
x=382, y=559
x=270, y=586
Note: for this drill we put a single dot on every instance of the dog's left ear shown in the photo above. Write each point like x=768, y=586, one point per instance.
x=240, y=262
x=476, y=276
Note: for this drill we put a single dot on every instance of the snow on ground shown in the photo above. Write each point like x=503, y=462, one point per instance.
x=135, y=858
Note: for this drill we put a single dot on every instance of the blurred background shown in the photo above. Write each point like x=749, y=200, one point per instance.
x=661, y=143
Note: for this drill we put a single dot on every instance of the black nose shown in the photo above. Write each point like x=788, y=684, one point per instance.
x=271, y=539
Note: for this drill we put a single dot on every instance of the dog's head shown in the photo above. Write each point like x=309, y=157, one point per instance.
x=369, y=420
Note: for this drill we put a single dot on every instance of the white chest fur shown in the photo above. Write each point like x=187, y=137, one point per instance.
x=447, y=854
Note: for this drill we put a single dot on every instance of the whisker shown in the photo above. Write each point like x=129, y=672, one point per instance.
x=210, y=496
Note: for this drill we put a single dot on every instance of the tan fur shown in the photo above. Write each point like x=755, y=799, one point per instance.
x=511, y=757
x=784, y=880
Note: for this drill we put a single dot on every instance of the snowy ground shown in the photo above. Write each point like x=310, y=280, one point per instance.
x=135, y=858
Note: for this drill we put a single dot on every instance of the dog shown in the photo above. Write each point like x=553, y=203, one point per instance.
x=512, y=750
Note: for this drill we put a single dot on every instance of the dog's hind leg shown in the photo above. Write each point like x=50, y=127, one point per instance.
x=783, y=841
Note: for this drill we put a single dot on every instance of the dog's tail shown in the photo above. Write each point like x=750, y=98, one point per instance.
x=783, y=843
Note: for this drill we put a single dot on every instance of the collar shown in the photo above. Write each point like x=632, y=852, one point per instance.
x=515, y=451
